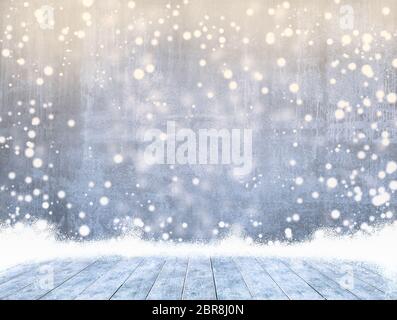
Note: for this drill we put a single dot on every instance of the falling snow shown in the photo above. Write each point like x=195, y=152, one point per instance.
x=80, y=88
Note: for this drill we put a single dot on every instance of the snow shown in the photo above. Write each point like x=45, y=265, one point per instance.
x=270, y=38
x=131, y=4
x=391, y=98
x=281, y=62
x=233, y=85
x=104, y=201
x=88, y=3
x=71, y=123
x=5, y=53
x=367, y=71
x=335, y=214
x=118, y=158
x=332, y=183
x=294, y=88
x=37, y=163
x=61, y=194
x=48, y=71
x=23, y=244
x=339, y=114
x=228, y=74
x=84, y=230
x=187, y=35
x=139, y=74
x=391, y=167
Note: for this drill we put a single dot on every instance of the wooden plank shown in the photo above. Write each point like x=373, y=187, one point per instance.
x=138, y=285
x=105, y=286
x=198, y=279
x=229, y=282
x=344, y=275
x=328, y=288
x=170, y=282
x=292, y=285
x=260, y=284
x=389, y=274
x=12, y=272
x=375, y=280
x=41, y=286
x=199, y=284
x=70, y=289
x=34, y=272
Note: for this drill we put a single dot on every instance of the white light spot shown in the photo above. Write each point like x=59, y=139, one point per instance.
x=361, y=155
x=118, y=158
x=29, y=153
x=381, y=199
x=84, y=230
x=299, y=181
x=150, y=68
x=288, y=233
x=295, y=217
x=392, y=98
x=35, y=121
x=386, y=11
x=250, y=12
x=233, y=85
x=265, y=90
x=48, y=71
x=187, y=35
x=108, y=184
x=393, y=185
x=281, y=62
x=270, y=38
x=339, y=114
x=165, y=236
x=227, y=74
x=391, y=167
x=138, y=223
x=61, y=194
x=367, y=71
x=294, y=88
x=104, y=201
x=332, y=183
x=139, y=74
x=71, y=123
x=37, y=163
x=5, y=53
x=335, y=214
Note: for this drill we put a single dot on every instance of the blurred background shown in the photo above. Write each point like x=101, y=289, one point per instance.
x=82, y=79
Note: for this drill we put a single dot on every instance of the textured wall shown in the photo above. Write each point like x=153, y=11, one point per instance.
x=90, y=107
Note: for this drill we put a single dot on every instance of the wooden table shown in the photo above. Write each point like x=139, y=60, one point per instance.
x=199, y=278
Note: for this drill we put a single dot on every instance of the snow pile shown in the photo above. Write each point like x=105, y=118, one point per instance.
x=25, y=244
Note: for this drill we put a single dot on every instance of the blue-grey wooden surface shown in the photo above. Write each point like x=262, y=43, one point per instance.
x=196, y=278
